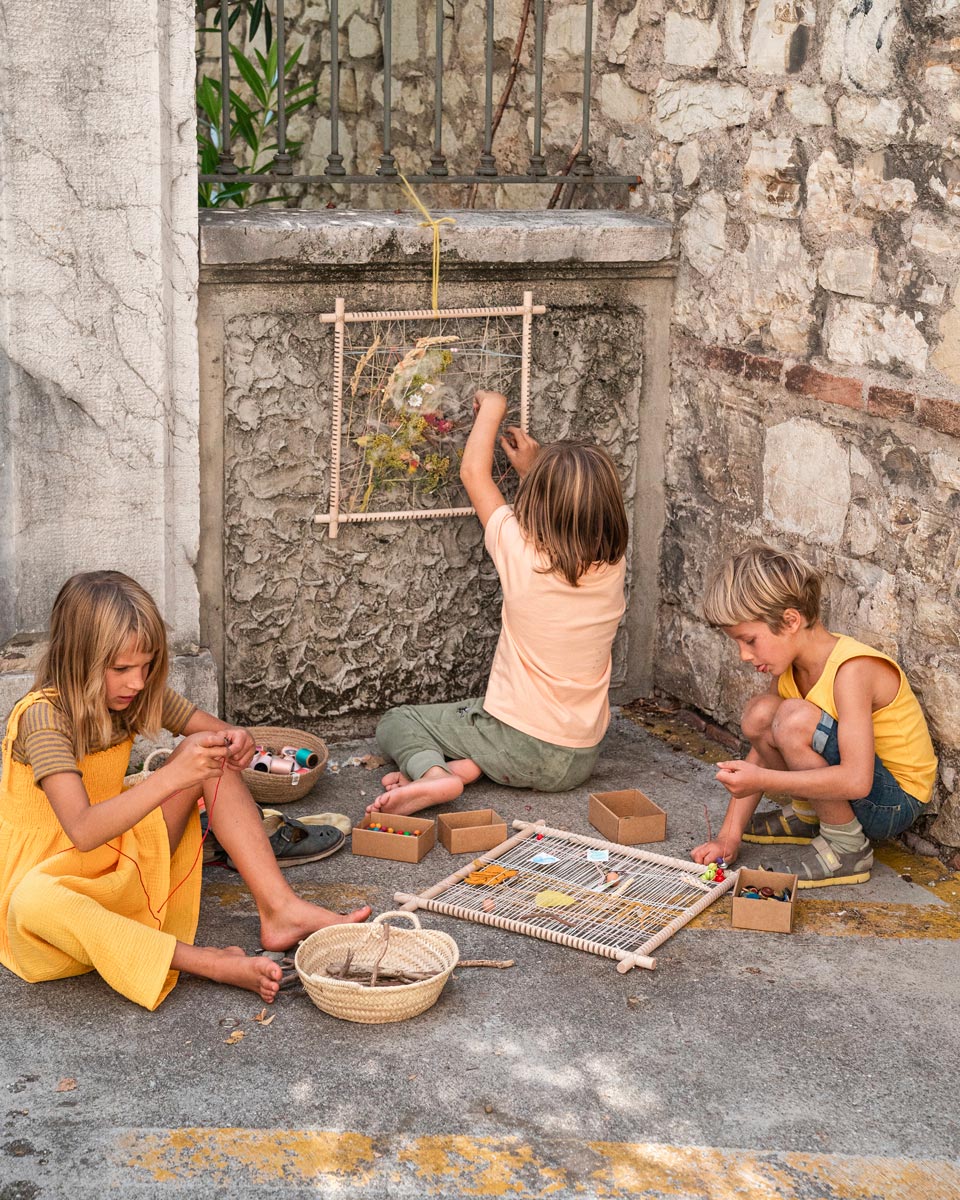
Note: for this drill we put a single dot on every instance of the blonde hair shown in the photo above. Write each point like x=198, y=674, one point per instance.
x=570, y=506
x=94, y=616
x=760, y=584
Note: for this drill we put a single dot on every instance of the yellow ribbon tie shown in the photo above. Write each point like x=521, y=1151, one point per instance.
x=430, y=223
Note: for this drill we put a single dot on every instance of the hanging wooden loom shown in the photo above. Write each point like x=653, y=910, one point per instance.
x=339, y=318
x=627, y=923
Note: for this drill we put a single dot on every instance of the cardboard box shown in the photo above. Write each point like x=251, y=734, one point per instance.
x=628, y=817
x=471, y=832
x=373, y=843
x=769, y=916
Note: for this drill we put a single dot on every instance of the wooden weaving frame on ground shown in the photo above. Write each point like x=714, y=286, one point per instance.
x=339, y=318
x=628, y=926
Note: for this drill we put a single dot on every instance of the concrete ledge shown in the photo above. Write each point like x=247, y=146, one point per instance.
x=344, y=237
x=194, y=675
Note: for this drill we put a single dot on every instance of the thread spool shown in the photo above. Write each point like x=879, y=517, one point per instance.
x=261, y=760
x=281, y=766
x=302, y=757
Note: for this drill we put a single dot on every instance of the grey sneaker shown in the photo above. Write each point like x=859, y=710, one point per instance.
x=823, y=865
x=781, y=826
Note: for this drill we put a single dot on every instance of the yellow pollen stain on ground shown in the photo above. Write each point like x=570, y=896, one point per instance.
x=352, y=1164
x=485, y=1167
x=223, y=1155
x=817, y=913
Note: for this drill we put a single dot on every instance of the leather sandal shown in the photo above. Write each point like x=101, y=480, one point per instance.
x=294, y=843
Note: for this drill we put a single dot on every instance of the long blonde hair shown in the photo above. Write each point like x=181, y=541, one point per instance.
x=94, y=616
x=570, y=506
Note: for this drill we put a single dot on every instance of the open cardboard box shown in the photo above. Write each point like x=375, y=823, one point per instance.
x=470, y=832
x=628, y=817
x=767, y=915
x=374, y=843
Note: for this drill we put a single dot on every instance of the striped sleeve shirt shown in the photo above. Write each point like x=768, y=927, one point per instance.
x=45, y=738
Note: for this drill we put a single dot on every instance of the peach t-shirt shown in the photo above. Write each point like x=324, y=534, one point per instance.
x=551, y=671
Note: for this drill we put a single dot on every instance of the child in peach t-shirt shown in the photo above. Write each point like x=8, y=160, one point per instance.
x=559, y=552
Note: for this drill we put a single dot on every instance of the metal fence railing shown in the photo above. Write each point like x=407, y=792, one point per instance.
x=578, y=170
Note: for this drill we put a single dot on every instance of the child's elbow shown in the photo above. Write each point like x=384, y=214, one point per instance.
x=861, y=784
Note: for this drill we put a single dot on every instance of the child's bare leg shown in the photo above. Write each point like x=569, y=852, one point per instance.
x=436, y=786
x=230, y=965
x=466, y=768
x=757, y=724
x=285, y=918
x=793, y=728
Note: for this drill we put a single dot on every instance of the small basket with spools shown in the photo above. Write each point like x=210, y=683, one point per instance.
x=286, y=766
x=376, y=973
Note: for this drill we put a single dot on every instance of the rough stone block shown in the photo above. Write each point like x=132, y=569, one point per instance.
x=688, y=42
x=776, y=288
x=874, y=194
x=682, y=110
x=831, y=207
x=688, y=163
x=621, y=103
x=808, y=104
x=946, y=356
x=870, y=122
x=780, y=36
x=806, y=480
x=850, y=270
x=873, y=335
x=363, y=38
x=772, y=177
x=858, y=45
x=703, y=233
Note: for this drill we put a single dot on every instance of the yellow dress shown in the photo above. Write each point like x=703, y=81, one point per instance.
x=64, y=911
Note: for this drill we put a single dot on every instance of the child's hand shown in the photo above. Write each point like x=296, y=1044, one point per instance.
x=494, y=403
x=740, y=778
x=520, y=448
x=198, y=757
x=710, y=851
x=241, y=749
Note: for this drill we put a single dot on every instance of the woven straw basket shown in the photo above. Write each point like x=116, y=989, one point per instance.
x=148, y=767
x=414, y=949
x=277, y=789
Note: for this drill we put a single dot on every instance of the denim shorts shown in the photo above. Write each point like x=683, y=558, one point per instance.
x=887, y=809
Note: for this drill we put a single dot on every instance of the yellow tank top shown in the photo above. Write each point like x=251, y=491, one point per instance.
x=900, y=734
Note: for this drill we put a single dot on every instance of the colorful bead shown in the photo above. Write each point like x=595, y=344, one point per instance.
x=719, y=877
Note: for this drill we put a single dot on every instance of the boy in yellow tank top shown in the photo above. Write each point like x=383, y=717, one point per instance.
x=839, y=728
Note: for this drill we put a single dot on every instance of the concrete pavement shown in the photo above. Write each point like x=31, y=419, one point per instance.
x=814, y=1065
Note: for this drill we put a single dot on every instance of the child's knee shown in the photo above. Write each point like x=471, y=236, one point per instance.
x=31, y=902
x=758, y=716
x=392, y=720
x=794, y=723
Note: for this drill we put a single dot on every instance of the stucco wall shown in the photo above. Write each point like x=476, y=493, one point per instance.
x=333, y=631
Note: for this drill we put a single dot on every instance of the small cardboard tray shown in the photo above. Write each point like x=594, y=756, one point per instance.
x=470, y=832
x=628, y=817
x=766, y=915
x=373, y=843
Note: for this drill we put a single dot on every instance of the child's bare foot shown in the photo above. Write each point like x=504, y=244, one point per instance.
x=393, y=779
x=299, y=918
x=230, y=965
x=436, y=787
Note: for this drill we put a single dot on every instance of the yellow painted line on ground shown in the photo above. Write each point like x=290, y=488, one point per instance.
x=818, y=913
x=351, y=1164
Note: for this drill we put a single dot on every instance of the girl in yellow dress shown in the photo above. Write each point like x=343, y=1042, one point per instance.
x=93, y=877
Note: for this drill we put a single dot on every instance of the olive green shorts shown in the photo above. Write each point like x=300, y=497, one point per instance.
x=420, y=736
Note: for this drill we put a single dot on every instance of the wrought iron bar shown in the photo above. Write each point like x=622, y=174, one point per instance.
x=282, y=163
x=335, y=158
x=488, y=164
x=584, y=162
x=388, y=164
x=438, y=160
x=538, y=164
x=225, y=158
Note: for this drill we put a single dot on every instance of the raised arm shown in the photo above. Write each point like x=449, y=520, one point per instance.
x=476, y=467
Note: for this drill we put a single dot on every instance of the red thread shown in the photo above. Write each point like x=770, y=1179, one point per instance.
x=146, y=894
